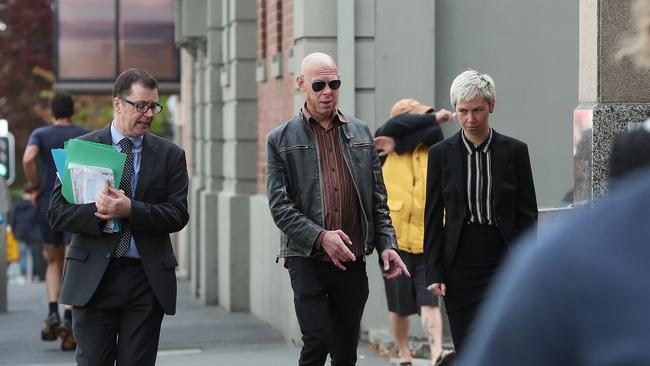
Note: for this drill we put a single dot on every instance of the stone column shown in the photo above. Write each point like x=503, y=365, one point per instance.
x=197, y=176
x=212, y=154
x=239, y=153
x=190, y=34
x=183, y=132
x=612, y=93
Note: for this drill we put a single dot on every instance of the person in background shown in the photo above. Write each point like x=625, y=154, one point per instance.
x=327, y=196
x=24, y=224
x=404, y=142
x=630, y=152
x=41, y=141
x=480, y=198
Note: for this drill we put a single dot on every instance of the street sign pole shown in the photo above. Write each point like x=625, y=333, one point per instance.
x=4, y=209
x=7, y=174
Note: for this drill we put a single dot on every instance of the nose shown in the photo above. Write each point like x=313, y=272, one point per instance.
x=327, y=89
x=149, y=112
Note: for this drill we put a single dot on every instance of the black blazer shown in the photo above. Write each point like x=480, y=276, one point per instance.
x=513, y=195
x=158, y=209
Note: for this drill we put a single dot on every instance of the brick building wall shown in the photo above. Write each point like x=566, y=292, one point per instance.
x=274, y=95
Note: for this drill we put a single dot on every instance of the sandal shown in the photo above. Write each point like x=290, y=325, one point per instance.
x=446, y=359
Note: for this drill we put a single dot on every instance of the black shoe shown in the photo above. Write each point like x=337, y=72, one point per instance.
x=446, y=360
x=68, y=343
x=48, y=333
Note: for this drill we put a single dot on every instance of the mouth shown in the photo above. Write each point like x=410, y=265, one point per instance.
x=143, y=124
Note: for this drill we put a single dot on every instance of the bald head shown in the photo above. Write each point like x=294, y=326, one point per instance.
x=316, y=60
x=319, y=81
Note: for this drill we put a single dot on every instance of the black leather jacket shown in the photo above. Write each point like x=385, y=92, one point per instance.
x=296, y=196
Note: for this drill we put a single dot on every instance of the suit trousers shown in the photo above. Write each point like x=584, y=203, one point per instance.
x=329, y=304
x=121, y=321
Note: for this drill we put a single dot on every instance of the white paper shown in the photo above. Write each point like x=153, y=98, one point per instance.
x=88, y=182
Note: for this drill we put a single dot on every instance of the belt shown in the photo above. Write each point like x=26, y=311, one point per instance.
x=125, y=262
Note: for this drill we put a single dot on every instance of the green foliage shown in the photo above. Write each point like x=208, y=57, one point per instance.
x=96, y=111
x=162, y=119
x=25, y=68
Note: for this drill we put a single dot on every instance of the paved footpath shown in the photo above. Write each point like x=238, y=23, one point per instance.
x=196, y=336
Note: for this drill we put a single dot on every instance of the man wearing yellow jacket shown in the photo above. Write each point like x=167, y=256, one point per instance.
x=403, y=141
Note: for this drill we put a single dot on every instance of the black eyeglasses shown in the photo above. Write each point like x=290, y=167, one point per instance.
x=144, y=107
x=319, y=85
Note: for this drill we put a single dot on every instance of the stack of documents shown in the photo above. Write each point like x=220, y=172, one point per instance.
x=84, y=167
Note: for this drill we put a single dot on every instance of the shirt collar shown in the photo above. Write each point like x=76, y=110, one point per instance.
x=338, y=116
x=484, y=146
x=117, y=136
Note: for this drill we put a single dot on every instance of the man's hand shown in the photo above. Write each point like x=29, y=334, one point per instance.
x=112, y=204
x=384, y=144
x=438, y=289
x=335, y=243
x=36, y=197
x=393, y=265
x=444, y=115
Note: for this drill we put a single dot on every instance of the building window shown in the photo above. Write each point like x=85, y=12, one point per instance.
x=97, y=39
x=86, y=44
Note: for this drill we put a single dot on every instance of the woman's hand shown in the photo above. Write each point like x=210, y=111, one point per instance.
x=438, y=289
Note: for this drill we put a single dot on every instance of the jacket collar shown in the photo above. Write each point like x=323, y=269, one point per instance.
x=337, y=117
x=339, y=120
x=499, y=152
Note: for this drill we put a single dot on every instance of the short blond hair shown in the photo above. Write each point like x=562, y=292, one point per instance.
x=471, y=84
x=637, y=47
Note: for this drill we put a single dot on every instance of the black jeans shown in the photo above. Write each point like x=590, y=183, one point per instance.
x=329, y=304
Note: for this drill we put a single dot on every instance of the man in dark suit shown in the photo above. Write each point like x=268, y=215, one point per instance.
x=120, y=284
x=480, y=196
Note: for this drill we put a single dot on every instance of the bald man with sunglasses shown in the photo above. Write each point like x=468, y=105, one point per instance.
x=327, y=196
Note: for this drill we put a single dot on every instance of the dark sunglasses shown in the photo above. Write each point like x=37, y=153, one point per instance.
x=320, y=85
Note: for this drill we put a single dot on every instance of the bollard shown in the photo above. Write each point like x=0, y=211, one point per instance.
x=4, y=209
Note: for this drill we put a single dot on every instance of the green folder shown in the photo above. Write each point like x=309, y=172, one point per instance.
x=93, y=154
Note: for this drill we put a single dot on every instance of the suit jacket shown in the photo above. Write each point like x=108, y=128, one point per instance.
x=513, y=194
x=158, y=209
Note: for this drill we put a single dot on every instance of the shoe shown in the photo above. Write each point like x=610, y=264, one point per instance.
x=68, y=343
x=446, y=359
x=48, y=333
x=405, y=364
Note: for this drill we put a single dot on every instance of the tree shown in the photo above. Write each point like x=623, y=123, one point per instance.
x=25, y=67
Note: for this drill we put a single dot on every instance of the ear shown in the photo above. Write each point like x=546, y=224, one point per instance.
x=300, y=80
x=492, y=104
x=117, y=106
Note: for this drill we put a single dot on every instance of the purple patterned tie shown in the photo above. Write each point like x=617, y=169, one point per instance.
x=125, y=185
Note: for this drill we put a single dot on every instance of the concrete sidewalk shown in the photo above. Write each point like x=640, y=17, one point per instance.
x=195, y=336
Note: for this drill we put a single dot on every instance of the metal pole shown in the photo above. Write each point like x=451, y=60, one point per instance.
x=4, y=209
